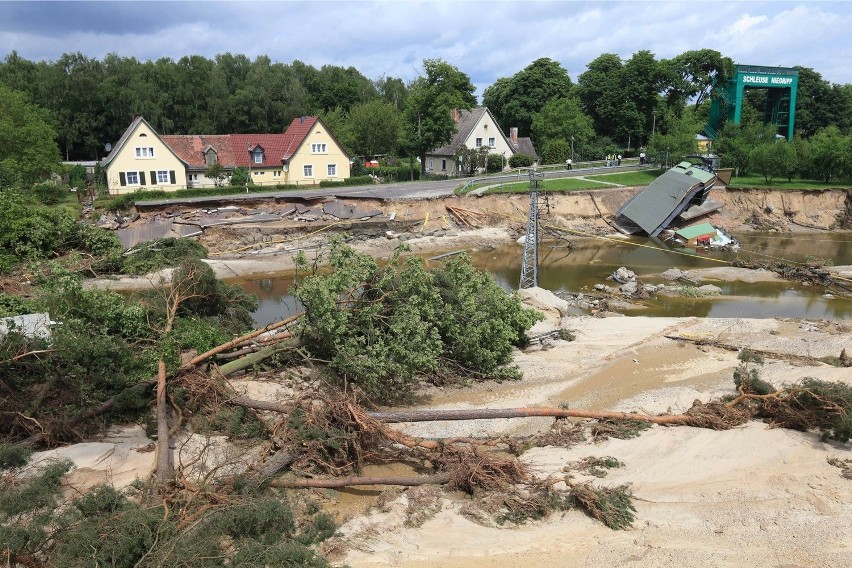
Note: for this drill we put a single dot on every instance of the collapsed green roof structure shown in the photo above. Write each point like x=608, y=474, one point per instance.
x=681, y=192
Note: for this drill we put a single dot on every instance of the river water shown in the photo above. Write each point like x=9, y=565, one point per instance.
x=590, y=261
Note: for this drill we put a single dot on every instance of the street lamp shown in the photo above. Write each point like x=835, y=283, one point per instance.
x=572, y=148
x=654, y=125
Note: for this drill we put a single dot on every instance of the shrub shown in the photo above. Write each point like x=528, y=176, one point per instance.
x=151, y=256
x=399, y=321
x=496, y=163
x=521, y=161
x=51, y=193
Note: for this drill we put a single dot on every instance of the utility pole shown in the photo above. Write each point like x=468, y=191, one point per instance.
x=529, y=268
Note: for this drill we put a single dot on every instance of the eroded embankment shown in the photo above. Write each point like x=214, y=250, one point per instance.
x=585, y=211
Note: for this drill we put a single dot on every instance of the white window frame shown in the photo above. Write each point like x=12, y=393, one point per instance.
x=276, y=173
x=491, y=142
x=332, y=170
x=478, y=143
x=308, y=170
x=163, y=177
x=144, y=152
x=431, y=164
x=127, y=178
x=319, y=148
x=257, y=157
x=193, y=177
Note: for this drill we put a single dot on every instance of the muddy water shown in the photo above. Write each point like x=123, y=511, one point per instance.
x=589, y=262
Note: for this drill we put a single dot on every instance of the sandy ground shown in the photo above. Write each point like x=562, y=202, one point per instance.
x=753, y=496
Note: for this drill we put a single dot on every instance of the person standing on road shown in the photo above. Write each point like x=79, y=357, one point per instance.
x=618, y=160
x=641, y=158
x=568, y=164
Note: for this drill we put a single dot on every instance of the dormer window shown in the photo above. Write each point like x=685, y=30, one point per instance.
x=210, y=157
x=257, y=156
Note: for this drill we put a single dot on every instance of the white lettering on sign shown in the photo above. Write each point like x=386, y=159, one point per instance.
x=755, y=79
x=765, y=80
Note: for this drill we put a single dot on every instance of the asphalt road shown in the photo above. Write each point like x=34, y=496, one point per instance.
x=390, y=191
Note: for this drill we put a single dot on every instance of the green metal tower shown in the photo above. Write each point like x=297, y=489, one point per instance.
x=782, y=84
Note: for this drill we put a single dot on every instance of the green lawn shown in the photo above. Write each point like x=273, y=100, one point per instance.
x=564, y=184
x=780, y=183
x=630, y=179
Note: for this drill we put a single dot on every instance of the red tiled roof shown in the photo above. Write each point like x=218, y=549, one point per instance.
x=234, y=150
x=296, y=133
x=190, y=148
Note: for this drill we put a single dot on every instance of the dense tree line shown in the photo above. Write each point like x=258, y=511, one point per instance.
x=92, y=101
x=614, y=104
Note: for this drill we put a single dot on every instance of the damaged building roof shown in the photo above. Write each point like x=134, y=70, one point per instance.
x=652, y=209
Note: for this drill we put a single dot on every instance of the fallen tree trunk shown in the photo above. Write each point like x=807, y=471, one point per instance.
x=437, y=479
x=488, y=413
x=235, y=342
x=762, y=352
x=254, y=358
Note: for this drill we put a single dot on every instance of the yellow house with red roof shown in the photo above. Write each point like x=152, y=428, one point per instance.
x=306, y=154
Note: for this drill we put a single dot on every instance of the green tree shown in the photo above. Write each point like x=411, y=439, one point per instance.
x=679, y=138
x=773, y=159
x=693, y=76
x=516, y=101
x=829, y=154
x=217, y=173
x=375, y=127
x=337, y=122
x=556, y=152
x=392, y=90
x=735, y=142
x=521, y=161
x=28, y=151
x=813, y=103
x=398, y=321
x=621, y=96
x=241, y=176
x=427, y=119
x=563, y=119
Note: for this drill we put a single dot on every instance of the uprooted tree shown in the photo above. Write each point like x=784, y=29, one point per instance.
x=384, y=327
x=374, y=330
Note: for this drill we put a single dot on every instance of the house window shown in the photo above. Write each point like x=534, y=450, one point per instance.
x=443, y=165
x=210, y=157
x=144, y=152
x=332, y=170
x=431, y=164
x=318, y=148
x=162, y=176
x=491, y=142
x=258, y=157
x=193, y=177
x=479, y=142
x=309, y=171
x=132, y=178
x=276, y=174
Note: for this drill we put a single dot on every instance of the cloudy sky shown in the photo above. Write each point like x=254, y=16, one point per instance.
x=486, y=40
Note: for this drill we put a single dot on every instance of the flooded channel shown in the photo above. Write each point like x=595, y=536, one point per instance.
x=590, y=261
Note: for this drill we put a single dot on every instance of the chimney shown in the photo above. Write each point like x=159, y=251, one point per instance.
x=302, y=119
x=513, y=134
x=456, y=115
